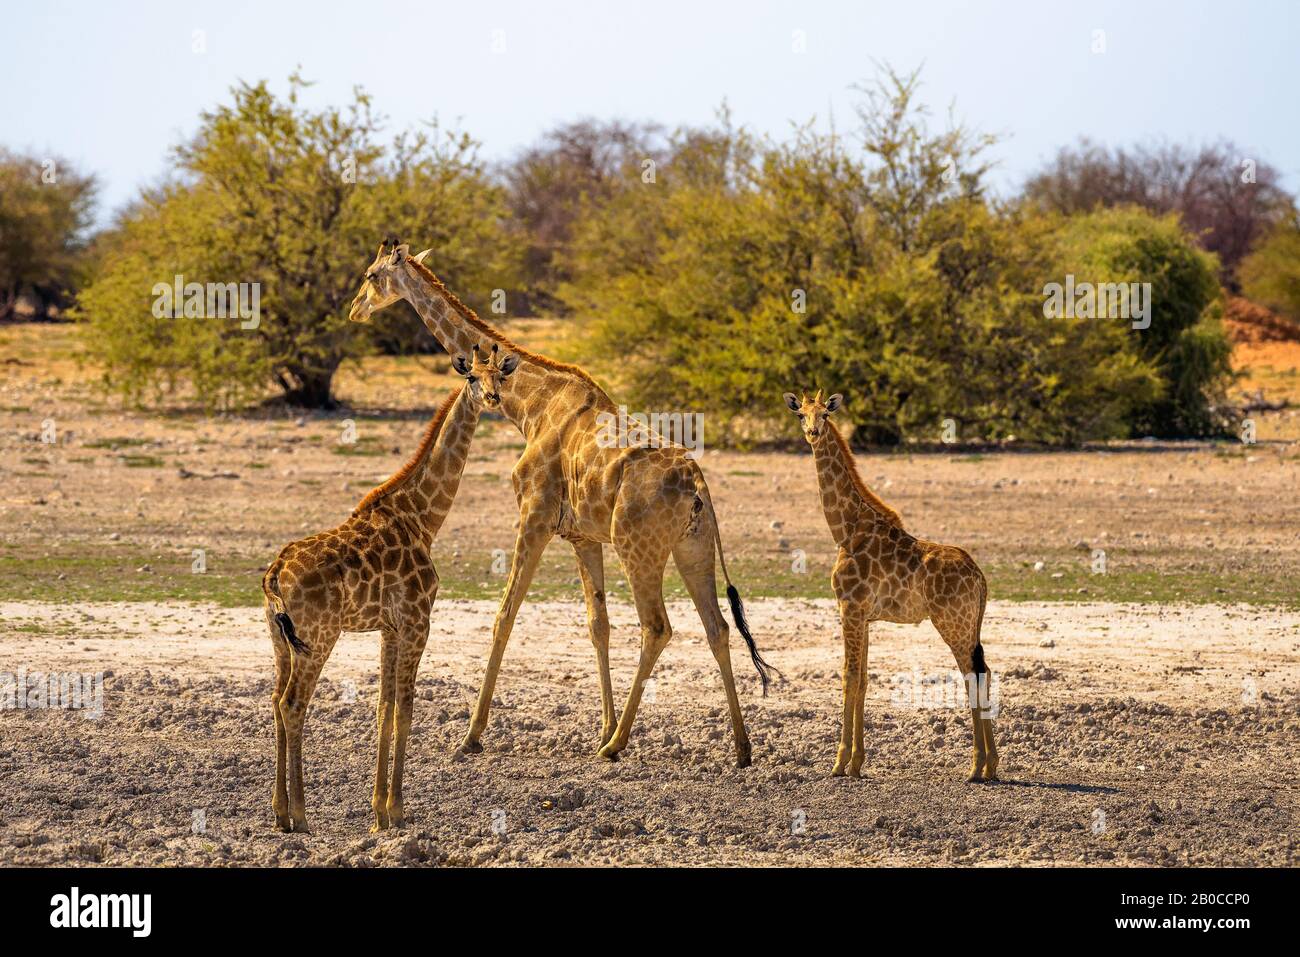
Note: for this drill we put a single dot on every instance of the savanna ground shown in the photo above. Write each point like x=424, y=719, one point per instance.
x=1148, y=714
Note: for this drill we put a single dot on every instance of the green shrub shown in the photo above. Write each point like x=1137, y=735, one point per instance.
x=296, y=201
x=1271, y=274
x=1185, y=343
x=750, y=268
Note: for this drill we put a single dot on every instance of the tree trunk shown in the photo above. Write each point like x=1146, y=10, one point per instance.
x=311, y=390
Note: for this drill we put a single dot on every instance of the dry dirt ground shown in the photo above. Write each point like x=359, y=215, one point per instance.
x=1150, y=710
x=1129, y=734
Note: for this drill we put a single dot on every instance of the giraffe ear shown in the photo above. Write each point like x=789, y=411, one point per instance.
x=421, y=257
x=509, y=364
x=791, y=401
x=834, y=402
x=461, y=365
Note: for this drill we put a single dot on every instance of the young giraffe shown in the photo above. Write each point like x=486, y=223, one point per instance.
x=884, y=574
x=650, y=503
x=372, y=573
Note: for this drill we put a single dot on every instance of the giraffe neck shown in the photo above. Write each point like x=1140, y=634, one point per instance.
x=849, y=507
x=426, y=495
x=536, y=382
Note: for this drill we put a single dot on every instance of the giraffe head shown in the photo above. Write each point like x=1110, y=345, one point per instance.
x=485, y=372
x=813, y=413
x=383, y=283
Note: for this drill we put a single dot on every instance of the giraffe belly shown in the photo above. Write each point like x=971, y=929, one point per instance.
x=906, y=608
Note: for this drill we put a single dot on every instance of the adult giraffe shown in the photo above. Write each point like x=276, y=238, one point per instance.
x=649, y=502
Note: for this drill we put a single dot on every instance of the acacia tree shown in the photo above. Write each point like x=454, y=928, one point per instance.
x=1271, y=274
x=1226, y=199
x=551, y=184
x=881, y=269
x=294, y=200
x=46, y=208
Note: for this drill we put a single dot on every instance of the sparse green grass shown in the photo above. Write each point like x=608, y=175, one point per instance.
x=114, y=442
x=99, y=573
x=367, y=445
x=141, y=461
x=1146, y=586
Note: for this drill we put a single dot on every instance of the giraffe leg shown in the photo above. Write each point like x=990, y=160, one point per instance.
x=958, y=614
x=535, y=530
x=990, y=749
x=283, y=668
x=645, y=575
x=963, y=642
x=859, y=703
x=591, y=569
x=853, y=624
x=293, y=712
x=384, y=724
x=411, y=651
x=694, y=556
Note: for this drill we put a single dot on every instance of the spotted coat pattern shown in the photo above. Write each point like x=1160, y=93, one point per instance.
x=882, y=573
x=372, y=573
x=650, y=503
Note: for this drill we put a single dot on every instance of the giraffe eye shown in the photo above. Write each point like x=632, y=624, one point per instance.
x=472, y=378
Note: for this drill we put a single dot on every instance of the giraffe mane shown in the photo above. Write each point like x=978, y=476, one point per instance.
x=400, y=477
x=470, y=316
x=872, y=500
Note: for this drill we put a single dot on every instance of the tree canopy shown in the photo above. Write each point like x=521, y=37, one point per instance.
x=293, y=200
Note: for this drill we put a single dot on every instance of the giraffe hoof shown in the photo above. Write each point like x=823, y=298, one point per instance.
x=744, y=761
x=837, y=771
x=855, y=772
x=607, y=754
x=284, y=824
x=470, y=746
x=300, y=827
x=975, y=778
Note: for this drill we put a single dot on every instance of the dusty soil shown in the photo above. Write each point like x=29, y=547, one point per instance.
x=1129, y=734
x=1148, y=714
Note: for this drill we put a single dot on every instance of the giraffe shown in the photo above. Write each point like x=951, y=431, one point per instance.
x=882, y=573
x=372, y=573
x=649, y=500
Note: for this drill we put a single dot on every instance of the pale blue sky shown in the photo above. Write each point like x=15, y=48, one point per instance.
x=113, y=85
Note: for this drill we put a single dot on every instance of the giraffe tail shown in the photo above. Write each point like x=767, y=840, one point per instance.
x=977, y=657
x=271, y=589
x=765, y=670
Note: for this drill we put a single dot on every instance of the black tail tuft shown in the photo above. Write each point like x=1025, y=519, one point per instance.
x=765, y=671
x=290, y=633
x=978, y=658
